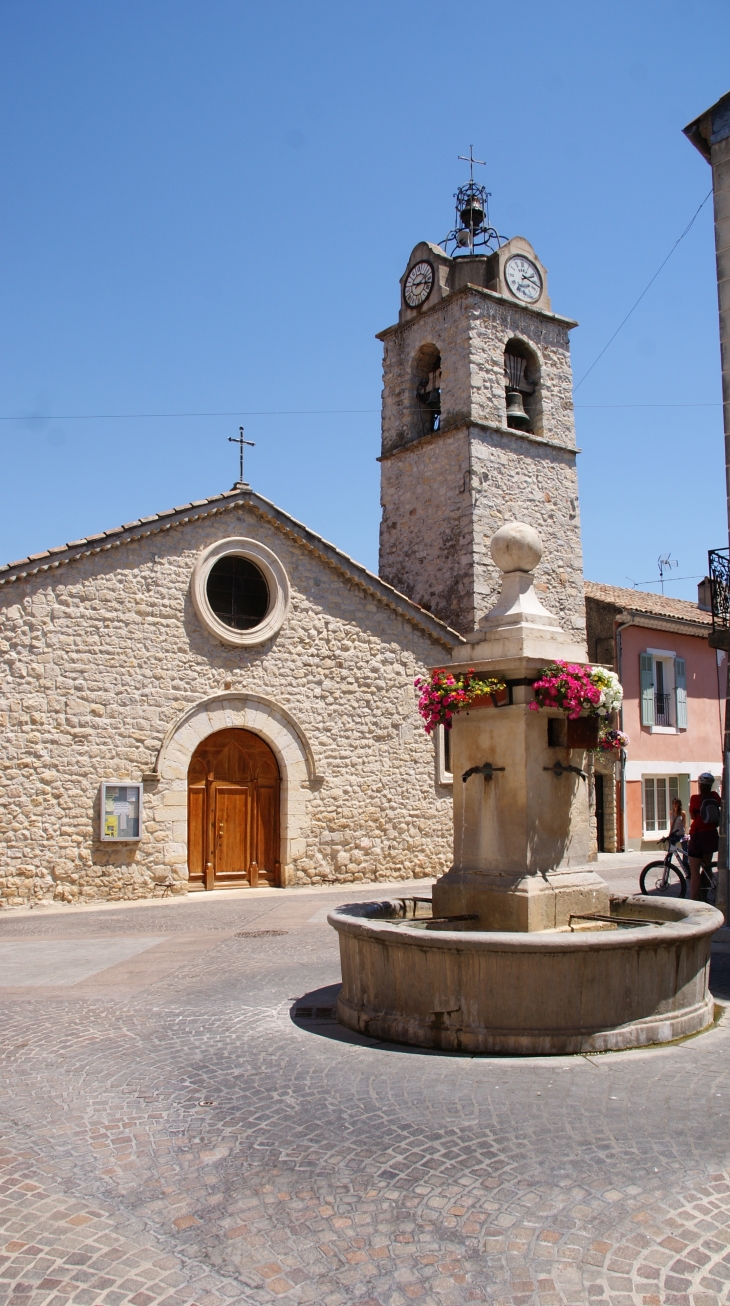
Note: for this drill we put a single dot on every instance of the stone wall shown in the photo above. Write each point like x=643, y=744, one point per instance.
x=102, y=655
x=600, y=627
x=426, y=527
x=447, y=326
x=610, y=770
x=444, y=494
x=493, y=322
x=516, y=479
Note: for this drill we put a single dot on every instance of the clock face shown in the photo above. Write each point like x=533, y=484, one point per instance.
x=523, y=278
x=419, y=284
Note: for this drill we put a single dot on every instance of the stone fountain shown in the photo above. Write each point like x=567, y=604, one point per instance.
x=523, y=949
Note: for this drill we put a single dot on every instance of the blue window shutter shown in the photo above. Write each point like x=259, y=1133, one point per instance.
x=646, y=662
x=680, y=681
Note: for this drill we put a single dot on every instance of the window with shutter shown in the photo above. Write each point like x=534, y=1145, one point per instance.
x=649, y=806
x=658, y=793
x=680, y=682
x=646, y=667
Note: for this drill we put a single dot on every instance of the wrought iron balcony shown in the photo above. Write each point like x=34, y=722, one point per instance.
x=661, y=710
x=719, y=569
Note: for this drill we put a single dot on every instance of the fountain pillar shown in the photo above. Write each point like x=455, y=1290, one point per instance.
x=521, y=833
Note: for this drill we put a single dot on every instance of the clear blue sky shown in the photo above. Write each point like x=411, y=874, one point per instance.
x=208, y=205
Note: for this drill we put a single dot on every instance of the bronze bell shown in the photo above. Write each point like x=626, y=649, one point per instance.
x=472, y=214
x=516, y=416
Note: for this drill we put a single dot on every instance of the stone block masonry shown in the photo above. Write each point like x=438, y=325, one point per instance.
x=444, y=499
x=515, y=479
x=426, y=530
x=444, y=493
x=102, y=655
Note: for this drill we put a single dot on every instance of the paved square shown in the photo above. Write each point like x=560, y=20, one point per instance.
x=62, y=962
x=174, y=1132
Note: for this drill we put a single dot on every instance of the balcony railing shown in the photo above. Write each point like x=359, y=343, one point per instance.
x=661, y=710
x=719, y=567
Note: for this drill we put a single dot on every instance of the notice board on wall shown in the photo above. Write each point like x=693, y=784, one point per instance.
x=121, y=811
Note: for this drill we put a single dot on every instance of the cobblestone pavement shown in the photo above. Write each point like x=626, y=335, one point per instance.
x=172, y=1132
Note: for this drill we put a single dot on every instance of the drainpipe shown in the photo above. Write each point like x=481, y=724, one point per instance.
x=624, y=816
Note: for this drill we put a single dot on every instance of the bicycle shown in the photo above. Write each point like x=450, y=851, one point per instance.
x=671, y=876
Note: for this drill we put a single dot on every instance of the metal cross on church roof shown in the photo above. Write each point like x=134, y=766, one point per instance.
x=239, y=440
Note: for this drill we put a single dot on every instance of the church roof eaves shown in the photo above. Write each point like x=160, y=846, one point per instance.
x=63, y=554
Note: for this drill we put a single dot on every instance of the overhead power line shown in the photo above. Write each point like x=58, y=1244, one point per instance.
x=718, y=404
x=274, y=412
x=646, y=288
x=321, y=412
x=665, y=580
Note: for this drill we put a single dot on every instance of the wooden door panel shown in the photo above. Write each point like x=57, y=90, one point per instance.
x=267, y=831
x=232, y=832
x=196, y=833
x=233, y=810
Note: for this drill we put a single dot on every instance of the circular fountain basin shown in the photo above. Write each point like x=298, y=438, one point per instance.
x=639, y=979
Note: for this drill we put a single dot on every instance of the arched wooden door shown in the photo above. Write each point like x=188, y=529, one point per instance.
x=233, y=812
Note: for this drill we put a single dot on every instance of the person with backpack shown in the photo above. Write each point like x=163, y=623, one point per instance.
x=704, y=809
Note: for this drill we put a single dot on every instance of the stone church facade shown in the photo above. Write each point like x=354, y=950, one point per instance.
x=111, y=675
x=215, y=697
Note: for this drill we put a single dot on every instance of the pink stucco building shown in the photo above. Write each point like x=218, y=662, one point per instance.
x=674, y=699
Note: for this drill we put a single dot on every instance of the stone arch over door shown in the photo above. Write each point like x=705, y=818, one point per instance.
x=263, y=717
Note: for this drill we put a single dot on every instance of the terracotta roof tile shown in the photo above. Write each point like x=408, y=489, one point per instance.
x=656, y=605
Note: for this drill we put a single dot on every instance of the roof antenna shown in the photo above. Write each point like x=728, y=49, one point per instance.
x=665, y=562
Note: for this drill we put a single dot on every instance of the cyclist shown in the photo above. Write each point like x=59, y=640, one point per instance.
x=677, y=829
x=703, y=834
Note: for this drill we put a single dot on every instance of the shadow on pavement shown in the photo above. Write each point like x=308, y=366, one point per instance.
x=316, y=1013
x=720, y=975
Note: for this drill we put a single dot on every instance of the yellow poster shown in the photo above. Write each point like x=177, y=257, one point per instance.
x=111, y=827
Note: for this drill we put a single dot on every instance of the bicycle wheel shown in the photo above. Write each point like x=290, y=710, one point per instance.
x=658, y=878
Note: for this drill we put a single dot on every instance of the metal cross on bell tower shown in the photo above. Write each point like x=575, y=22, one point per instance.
x=472, y=228
x=239, y=440
x=464, y=158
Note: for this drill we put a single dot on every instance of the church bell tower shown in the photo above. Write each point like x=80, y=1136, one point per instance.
x=477, y=424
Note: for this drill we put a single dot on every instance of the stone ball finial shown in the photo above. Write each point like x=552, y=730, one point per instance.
x=516, y=547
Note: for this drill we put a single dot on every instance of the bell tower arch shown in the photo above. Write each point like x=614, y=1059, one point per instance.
x=477, y=424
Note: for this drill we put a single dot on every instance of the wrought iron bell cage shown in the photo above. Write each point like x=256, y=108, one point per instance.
x=472, y=229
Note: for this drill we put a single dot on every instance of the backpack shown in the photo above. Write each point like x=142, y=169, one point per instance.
x=710, y=809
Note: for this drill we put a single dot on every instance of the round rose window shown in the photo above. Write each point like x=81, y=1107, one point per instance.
x=240, y=591
x=237, y=592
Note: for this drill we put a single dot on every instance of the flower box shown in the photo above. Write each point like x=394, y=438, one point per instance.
x=447, y=692
x=499, y=699
x=576, y=689
x=582, y=732
x=575, y=732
